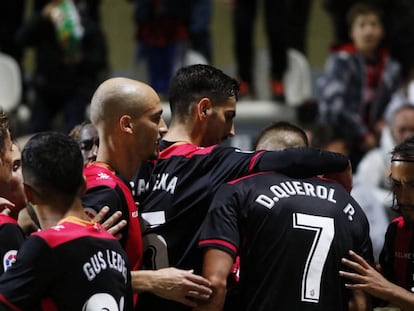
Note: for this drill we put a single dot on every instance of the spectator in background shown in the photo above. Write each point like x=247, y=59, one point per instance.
x=244, y=16
x=358, y=81
x=199, y=28
x=298, y=20
x=399, y=27
x=161, y=30
x=11, y=18
x=68, y=61
x=372, y=188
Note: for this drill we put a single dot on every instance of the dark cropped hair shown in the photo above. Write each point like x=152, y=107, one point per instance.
x=194, y=82
x=362, y=8
x=52, y=161
x=4, y=129
x=282, y=126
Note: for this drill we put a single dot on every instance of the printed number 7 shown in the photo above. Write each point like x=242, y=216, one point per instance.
x=324, y=233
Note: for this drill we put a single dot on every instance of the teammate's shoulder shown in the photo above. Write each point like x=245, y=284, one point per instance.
x=5, y=219
x=247, y=178
x=68, y=231
x=99, y=176
x=185, y=150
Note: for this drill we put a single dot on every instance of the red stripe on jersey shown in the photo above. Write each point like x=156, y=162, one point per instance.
x=254, y=159
x=235, y=181
x=186, y=150
x=7, y=303
x=67, y=231
x=4, y=219
x=226, y=244
x=403, y=237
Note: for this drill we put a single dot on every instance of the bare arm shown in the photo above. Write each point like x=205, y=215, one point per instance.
x=174, y=284
x=368, y=279
x=216, y=268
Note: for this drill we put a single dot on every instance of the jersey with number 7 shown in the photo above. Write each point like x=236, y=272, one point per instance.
x=290, y=235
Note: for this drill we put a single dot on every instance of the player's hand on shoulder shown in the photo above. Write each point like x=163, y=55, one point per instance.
x=5, y=206
x=113, y=224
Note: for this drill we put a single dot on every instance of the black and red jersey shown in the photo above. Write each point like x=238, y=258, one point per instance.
x=397, y=255
x=75, y=265
x=290, y=235
x=186, y=178
x=106, y=188
x=141, y=180
x=11, y=237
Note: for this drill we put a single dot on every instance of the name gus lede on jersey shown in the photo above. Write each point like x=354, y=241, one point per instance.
x=287, y=189
x=103, y=260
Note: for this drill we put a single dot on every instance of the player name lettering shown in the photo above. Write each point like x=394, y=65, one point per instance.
x=166, y=182
x=287, y=189
x=101, y=261
x=141, y=187
x=403, y=255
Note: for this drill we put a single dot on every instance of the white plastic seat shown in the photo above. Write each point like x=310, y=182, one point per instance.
x=297, y=79
x=10, y=83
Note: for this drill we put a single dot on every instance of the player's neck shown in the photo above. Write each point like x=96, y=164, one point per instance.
x=181, y=132
x=119, y=161
x=50, y=214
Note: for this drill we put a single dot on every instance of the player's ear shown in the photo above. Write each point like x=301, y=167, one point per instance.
x=28, y=192
x=203, y=107
x=126, y=124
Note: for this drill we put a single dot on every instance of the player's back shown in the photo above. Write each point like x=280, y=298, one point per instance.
x=293, y=234
x=72, y=266
x=186, y=177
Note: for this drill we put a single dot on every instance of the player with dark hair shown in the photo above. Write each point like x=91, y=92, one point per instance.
x=281, y=135
x=72, y=260
x=396, y=282
x=191, y=167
